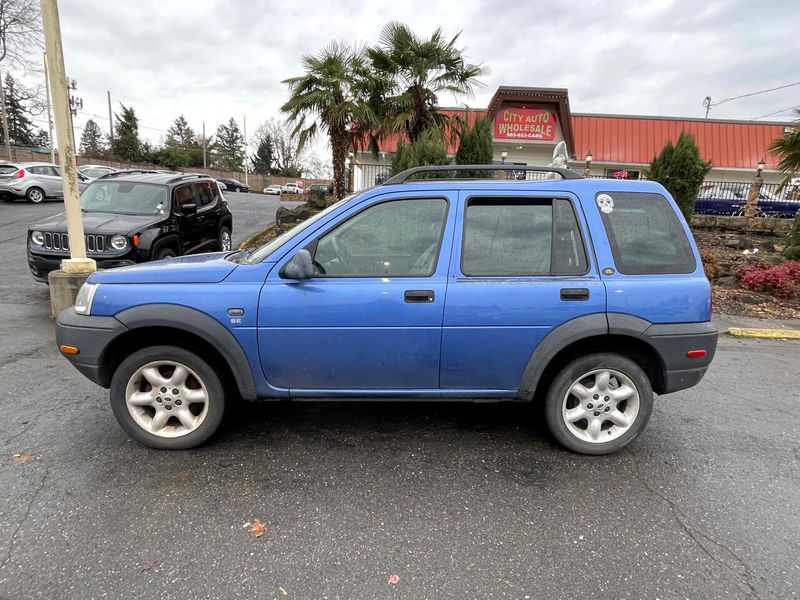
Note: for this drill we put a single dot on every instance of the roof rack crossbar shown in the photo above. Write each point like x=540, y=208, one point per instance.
x=409, y=173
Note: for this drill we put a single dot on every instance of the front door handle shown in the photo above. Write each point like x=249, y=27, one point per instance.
x=574, y=294
x=418, y=296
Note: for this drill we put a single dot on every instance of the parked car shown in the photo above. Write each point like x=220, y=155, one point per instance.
x=222, y=186
x=587, y=295
x=292, y=188
x=235, y=186
x=33, y=181
x=95, y=171
x=135, y=217
x=731, y=199
x=325, y=188
x=274, y=190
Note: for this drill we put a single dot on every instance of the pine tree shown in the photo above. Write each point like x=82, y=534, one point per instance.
x=21, y=130
x=92, y=143
x=264, y=158
x=126, y=144
x=475, y=146
x=181, y=135
x=681, y=170
x=428, y=149
x=228, y=151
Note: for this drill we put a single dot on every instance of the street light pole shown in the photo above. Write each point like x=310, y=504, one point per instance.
x=49, y=111
x=5, y=119
x=244, y=128
x=78, y=263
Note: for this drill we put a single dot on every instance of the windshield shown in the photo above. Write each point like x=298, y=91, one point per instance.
x=124, y=197
x=262, y=252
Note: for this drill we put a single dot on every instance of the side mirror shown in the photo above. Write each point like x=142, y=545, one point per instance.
x=300, y=266
x=189, y=209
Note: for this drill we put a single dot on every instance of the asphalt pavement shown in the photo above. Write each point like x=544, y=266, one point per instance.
x=455, y=500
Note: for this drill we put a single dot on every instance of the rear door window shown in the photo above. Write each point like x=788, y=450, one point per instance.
x=645, y=234
x=521, y=237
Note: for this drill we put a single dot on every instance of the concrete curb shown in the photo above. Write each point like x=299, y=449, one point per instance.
x=769, y=334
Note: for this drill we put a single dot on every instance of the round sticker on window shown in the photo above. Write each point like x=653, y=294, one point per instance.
x=605, y=203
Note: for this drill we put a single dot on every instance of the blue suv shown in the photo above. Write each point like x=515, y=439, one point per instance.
x=587, y=295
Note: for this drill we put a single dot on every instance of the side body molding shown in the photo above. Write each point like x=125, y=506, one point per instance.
x=201, y=325
x=555, y=341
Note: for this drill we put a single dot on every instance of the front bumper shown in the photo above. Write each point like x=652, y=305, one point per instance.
x=41, y=265
x=91, y=334
x=673, y=342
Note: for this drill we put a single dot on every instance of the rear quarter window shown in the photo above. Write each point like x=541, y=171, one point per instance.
x=645, y=234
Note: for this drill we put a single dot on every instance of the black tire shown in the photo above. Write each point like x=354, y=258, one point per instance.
x=210, y=378
x=238, y=189
x=225, y=229
x=165, y=252
x=570, y=374
x=35, y=195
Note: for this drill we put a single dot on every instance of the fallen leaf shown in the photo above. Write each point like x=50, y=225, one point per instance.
x=150, y=564
x=394, y=579
x=186, y=477
x=21, y=459
x=257, y=529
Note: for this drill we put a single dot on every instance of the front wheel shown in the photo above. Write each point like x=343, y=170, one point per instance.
x=167, y=398
x=224, y=241
x=599, y=403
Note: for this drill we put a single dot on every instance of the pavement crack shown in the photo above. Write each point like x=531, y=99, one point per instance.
x=22, y=355
x=746, y=575
x=25, y=517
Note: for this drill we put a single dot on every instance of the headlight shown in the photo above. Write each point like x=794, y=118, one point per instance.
x=119, y=242
x=37, y=237
x=83, y=303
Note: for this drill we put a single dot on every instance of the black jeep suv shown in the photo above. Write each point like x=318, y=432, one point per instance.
x=136, y=216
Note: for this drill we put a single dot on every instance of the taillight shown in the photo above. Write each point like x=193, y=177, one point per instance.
x=19, y=174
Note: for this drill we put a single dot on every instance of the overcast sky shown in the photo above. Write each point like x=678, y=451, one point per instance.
x=211, y=60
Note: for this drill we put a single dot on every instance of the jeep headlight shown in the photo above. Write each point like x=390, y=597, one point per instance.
x=119, y=242
x=83, y=302
x=37, y=237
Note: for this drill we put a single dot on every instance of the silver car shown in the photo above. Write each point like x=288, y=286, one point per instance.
x=95, y=171
x=34, y=181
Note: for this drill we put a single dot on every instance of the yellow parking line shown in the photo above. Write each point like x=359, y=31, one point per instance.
x=771, y=334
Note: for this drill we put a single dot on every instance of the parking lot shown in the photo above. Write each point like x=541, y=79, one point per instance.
x=456, y=500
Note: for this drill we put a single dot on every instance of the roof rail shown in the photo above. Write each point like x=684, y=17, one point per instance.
x=127, y=172
x=186, y=176
x=409, y=173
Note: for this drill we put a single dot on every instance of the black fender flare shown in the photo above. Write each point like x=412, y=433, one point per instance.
x=201, y=325
x=165, y=240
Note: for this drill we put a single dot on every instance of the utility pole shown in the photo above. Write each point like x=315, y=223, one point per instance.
x=110, y=119
x=204, y=145
x=244, y=128
x=49, y=111
x=74, y=269
x=5, y=119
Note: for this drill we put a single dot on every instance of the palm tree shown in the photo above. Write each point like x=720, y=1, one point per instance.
x=787, y=149
x=412, y=71
x=332, y=95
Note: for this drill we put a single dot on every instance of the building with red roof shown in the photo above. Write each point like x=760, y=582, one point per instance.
x=529, y=122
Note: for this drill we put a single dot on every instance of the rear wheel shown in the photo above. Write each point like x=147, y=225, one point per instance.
x=35, y=195
x=599, y=403
x=167, y=398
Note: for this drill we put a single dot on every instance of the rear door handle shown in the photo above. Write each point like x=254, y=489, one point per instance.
x=574, y=294
x=418, y=296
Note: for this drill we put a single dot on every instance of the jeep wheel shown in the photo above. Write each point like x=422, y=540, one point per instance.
x=599, y=403
x=164, y=253
x=167, y=398
x=35, y=195
x=224, y=240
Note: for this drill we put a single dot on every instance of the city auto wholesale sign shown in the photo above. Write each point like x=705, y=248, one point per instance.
x=525, y=124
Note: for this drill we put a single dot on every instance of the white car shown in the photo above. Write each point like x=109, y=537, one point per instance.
x=274, y=190
x=292, y=188
x=94, y=171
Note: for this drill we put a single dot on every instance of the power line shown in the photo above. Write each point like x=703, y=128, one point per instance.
x=782, y=87
x=777, y=112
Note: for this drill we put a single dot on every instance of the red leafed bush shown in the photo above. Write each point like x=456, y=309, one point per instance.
x=782, y=280
x=710, y=264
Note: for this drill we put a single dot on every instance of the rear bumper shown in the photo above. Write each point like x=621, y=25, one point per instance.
x=91, y=335
x=673, y=342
